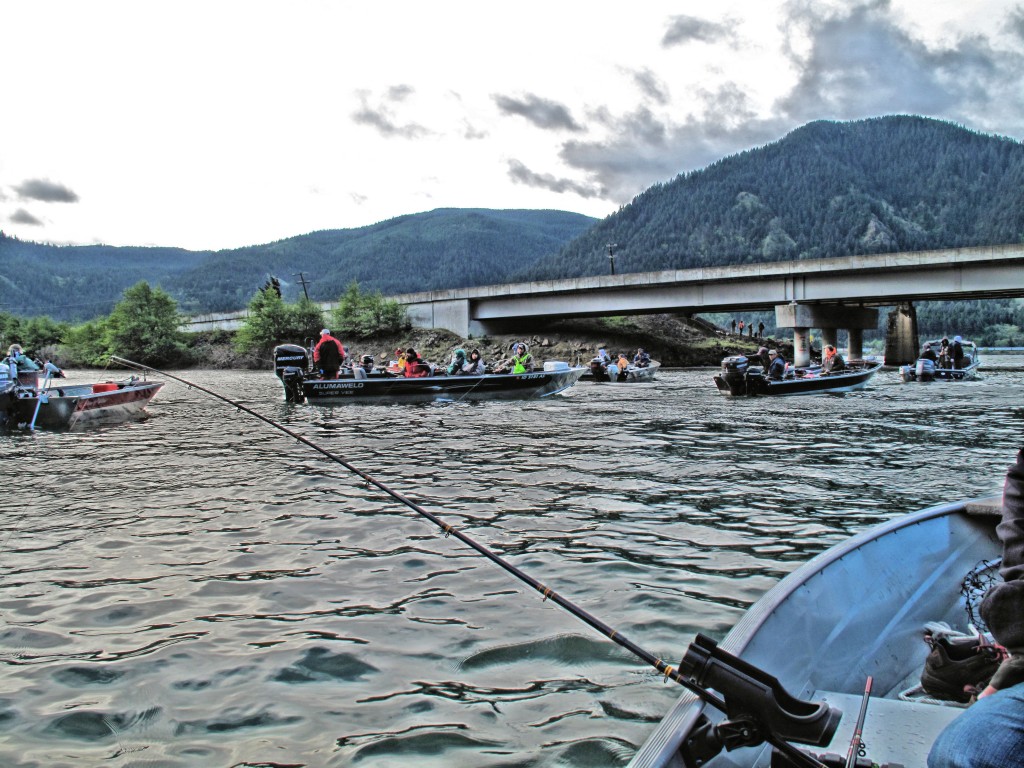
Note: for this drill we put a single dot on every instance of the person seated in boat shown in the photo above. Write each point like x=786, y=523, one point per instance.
x=622, y=362
x=928, y=353
x=328, y=354
x=458, y=363
x=641, y=359
x=17, y=356
x=989, y=734
x=364, y=368
x=475, y=365
x=776, y=366
x=956, y=353
x=521, y=360
x=415, y=366
x=831, y=360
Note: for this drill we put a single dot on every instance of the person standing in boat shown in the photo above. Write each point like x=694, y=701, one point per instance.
x=944, y=353
x=956, y=352
x=16, y=355
x=475, y=365
x=328, y=354
x=776, y=366
x=990, y=733
x=831, y=360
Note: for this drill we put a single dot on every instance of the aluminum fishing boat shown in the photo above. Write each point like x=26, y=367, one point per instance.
x=27, y=403
x=603, y=371
x=741, y=375
x=291, y=365
x=942, y=368
x=857, y=610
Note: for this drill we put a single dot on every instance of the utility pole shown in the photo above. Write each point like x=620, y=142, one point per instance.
x=611, y=255
x=302, y=279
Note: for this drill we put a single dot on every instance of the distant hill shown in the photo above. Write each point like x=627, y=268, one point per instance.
x=444, y=248
x=827, y=189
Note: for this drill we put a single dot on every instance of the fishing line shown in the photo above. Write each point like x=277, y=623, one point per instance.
x=547, y=592
x=670, y=672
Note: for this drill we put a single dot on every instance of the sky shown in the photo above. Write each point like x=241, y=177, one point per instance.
x=216, y=124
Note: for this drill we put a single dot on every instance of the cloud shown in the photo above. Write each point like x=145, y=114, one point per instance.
x=860, y=63
x=543, y=113
x=688, y=29
x=45, y=191
x=382, y=114
x=21, y=216
x=520, y=174
x=651, y=86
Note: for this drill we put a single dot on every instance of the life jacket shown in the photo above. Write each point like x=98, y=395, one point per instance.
x=519, y=363
x=328, y=353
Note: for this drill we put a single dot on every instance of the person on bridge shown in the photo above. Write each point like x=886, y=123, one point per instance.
x=777, y=366
x=831, y=360
x=328, y=354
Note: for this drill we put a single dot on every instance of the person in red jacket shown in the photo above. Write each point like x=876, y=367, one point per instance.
x=328, y=354
x=415, y=367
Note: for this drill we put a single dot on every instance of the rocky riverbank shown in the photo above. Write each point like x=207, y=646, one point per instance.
x=674, y=341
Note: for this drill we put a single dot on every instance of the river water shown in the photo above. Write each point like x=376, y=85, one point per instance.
x=198, y=589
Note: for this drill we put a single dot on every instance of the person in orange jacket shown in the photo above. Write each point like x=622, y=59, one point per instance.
x=328, y=354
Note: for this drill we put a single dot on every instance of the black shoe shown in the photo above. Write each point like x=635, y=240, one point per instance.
x=960, y=668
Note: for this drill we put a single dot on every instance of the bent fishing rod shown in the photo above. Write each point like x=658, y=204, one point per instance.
x=703, y=666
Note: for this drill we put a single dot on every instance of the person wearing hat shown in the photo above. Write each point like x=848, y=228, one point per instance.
x=776, y=366
x=521, y=360
x=415, y=366
x=956, y=352
x=20, y=359
x=990, y=733
x=928, y=353
x=475, y=365
x=458, y=363
x=328, y=354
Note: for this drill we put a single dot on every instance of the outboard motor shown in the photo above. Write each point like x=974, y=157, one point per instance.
x=290, y=365
x=599, y=369
x=733, y=377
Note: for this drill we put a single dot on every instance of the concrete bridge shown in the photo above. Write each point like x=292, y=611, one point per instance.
x=827, y=294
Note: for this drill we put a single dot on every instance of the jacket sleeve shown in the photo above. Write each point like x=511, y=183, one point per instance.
x=1003, y=607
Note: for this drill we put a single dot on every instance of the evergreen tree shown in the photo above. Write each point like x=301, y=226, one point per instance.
x=144, y=327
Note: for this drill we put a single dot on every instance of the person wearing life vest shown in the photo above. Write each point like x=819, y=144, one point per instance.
x=415, y=367
x=832, y=361
x=521, y=360
x=328, y=354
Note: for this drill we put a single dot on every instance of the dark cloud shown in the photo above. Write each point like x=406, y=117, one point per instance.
x=1015, y=22
x=541, y=112
x=520, y=174
x=860, y=64
x=690, y=29
x=382, y=114
x=45, y=191
x=21, y=216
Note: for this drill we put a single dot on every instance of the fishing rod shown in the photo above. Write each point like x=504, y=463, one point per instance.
x=703, y=666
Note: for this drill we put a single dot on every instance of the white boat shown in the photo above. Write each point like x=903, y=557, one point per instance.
x=943, y=369
x=857, y=610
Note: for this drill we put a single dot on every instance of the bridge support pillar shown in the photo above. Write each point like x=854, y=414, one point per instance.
x=901, y=335
x=855, y=349
x=829, y=318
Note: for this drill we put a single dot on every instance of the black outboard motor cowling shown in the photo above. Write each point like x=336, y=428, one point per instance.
x=291, y=362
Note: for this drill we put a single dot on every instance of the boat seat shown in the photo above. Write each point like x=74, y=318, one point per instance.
x=895, y=731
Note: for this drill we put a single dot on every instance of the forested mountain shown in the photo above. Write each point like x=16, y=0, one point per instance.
x=827, y=189
x=445, y=248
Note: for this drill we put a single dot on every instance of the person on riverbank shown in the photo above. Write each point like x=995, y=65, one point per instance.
x=328, y=354
x=760, y=330
x=990, y=733
x=742, y=326
x=776, y=366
